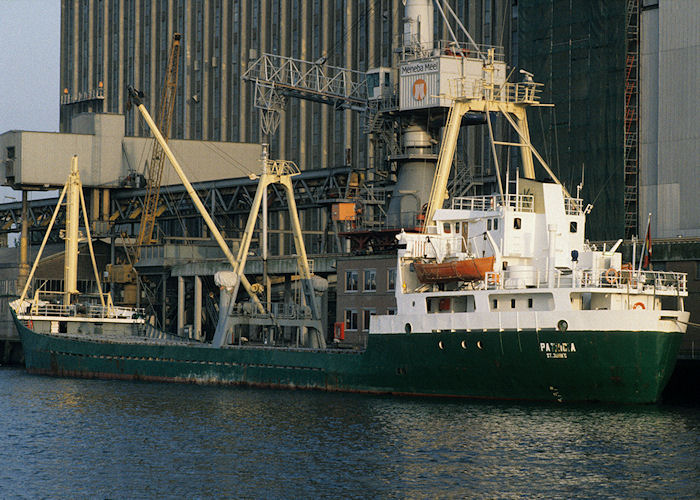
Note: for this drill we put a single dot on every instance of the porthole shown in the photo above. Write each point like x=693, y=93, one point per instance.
x=464, y=344
x=478, y=344
x=441, y=345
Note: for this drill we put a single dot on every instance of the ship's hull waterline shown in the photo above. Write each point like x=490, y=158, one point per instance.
x=622, y=367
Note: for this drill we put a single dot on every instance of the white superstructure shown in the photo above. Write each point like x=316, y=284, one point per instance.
x=545, y=276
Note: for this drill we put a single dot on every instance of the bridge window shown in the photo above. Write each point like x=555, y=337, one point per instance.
x=517, y=223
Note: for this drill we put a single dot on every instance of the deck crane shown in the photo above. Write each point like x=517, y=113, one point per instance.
x=306, y=320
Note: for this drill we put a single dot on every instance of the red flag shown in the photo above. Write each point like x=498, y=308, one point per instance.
x=646, y=258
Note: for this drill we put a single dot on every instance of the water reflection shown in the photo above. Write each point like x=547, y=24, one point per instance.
x=119, y=439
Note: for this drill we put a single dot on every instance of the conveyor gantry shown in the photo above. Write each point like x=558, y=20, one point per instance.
x=276, y=77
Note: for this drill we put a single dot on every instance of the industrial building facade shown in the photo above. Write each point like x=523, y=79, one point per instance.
x=611, y=68
x=669, y=134
x=108, y=44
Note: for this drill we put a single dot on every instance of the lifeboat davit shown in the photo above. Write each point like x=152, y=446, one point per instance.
x=456, y=270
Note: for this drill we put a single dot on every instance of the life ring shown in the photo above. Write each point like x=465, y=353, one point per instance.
x=639, y=305
x=612, y=276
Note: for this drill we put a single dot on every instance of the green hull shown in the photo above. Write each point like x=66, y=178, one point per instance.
x=624, y=367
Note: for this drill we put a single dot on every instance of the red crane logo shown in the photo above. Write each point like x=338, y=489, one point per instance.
x=420, y=89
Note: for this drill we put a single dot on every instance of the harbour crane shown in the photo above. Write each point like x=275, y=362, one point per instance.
x=124, y=273
x=462, y=80
x=155, y=166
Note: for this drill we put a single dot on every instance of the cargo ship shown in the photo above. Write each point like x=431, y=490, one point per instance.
x=552, y=319
x=497, y=296
x=568, y=330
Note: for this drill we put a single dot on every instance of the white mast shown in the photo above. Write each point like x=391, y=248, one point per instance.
x=71, y=233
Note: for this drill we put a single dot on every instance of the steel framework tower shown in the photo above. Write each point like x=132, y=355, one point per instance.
x=631, y=144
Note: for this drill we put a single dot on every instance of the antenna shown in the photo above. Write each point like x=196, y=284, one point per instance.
x=580, y=186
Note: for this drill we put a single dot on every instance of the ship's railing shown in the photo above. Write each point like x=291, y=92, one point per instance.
x=54, y=307
x=518, y=202
x=573, y=206
x=93, y=311
x=661, y=282
x=657, y=280
x=435, y=248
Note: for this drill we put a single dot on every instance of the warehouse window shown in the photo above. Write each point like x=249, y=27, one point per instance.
x=351, y=281
x=368, y=313
x=391, y=279
x=370, y=284
x=350, y=319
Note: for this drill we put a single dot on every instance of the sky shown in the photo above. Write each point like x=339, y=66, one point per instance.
x=30, y=43
x=29, y=64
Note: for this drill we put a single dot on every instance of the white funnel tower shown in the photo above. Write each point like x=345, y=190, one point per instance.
x=418, y=24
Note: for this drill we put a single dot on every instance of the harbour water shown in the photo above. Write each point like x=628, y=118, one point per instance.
x=107, y=439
